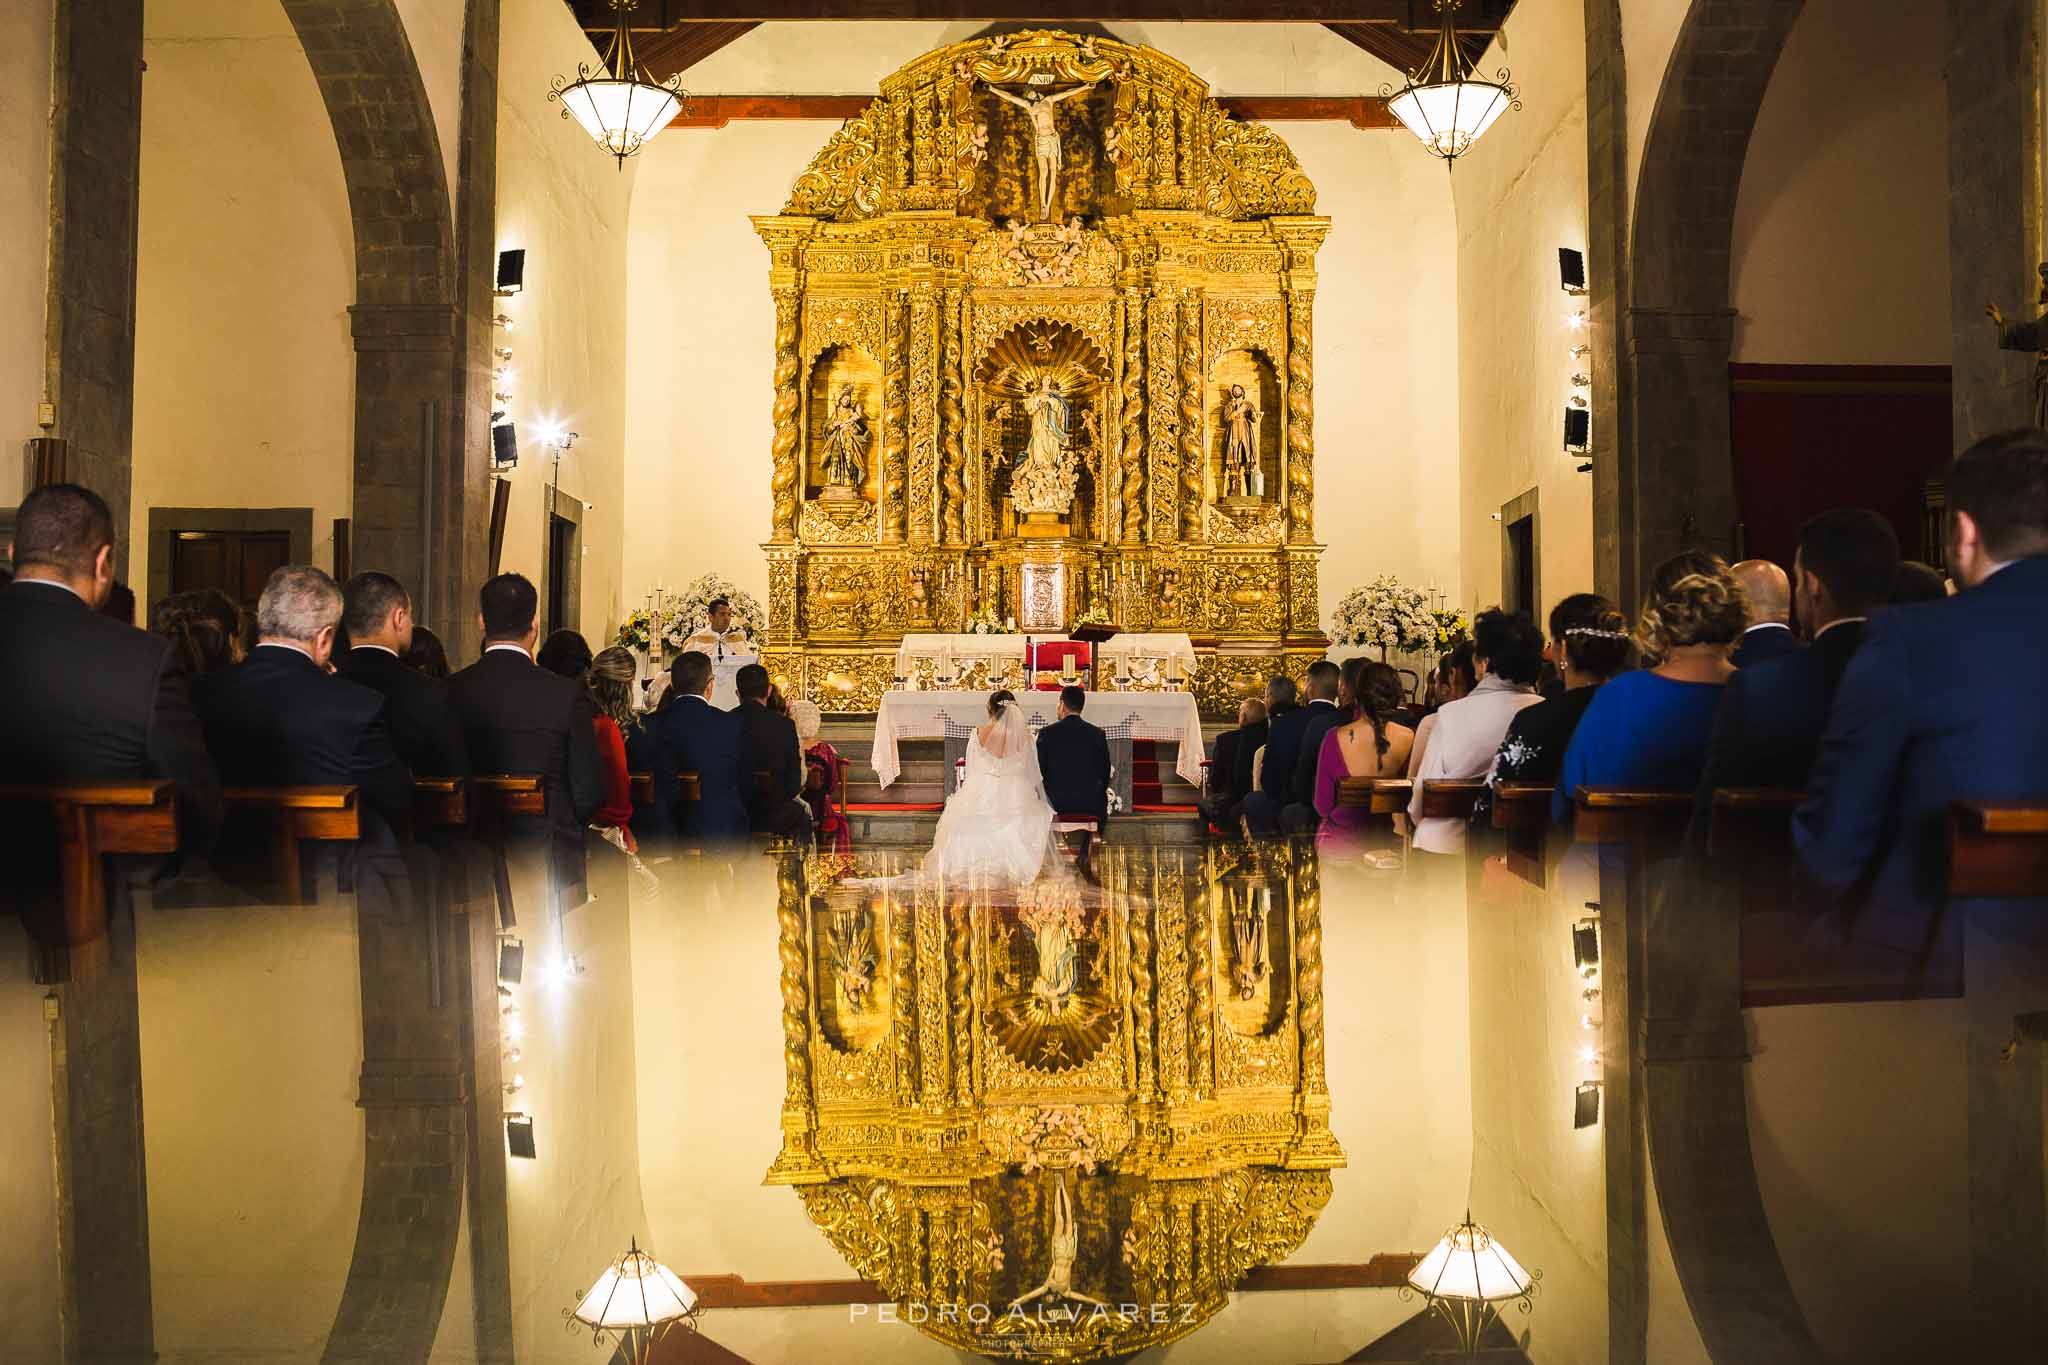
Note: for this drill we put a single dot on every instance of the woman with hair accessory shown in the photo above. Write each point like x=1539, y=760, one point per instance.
x=609, y=680
x=1650, y=728
x=822, y=769
x=204, y=625
x=998, y=826
x=1590, y=644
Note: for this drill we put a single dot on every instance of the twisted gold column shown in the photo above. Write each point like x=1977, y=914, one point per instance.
x=1134, y=416
x=903, y=960
x=952, y=419
x=798, y=1160
x=961, y=951
x=1301, y=415
x=895, y=418
x=1314, y=1145
x=783, y=485
x=1191, y=452
x=1201, y=1000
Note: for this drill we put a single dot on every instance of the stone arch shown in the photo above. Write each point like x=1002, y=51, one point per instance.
x=419, y=388
x=1677, y=489
x=1677, y=475
x=415, y=323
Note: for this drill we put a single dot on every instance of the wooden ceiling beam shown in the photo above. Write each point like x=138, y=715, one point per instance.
x=1415, y=16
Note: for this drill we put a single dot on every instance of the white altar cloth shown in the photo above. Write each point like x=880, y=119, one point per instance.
x=943, y=649
x=1129, y=715
x=1168, y=647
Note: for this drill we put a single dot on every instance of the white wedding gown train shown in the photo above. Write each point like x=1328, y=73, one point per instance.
x=997, y=829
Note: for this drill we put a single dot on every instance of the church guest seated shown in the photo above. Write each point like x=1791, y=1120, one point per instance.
x=1452, y=679
x=1220, y=800
x=518, y=718
x=86, y=698
x=280, y=718
x=377, y=614
x=1649, y=728
x=692, y=735
x=610, y=680
x=1769, y=594
x=1590, y=642
x=1372, y=743
x=823, y=769
x=768, y=743
x=776, y=702
x=1458, y=742
x=1286, y=736
x=1914, y=725
x=427, y=654
x=1917, y=582
x=1245, y=774
x=203, y=625
x=565, y=653
x=1298, y=813
x=120, y=603
x=1768, y=726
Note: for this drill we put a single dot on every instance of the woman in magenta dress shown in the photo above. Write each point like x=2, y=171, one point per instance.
x=1373, y=744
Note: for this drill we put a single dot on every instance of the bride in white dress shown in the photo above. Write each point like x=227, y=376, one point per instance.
x=998, y=827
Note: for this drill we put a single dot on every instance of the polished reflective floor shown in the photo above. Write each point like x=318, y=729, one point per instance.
x=1199, y=1102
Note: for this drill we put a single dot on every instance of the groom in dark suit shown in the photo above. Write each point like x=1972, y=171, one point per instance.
x=1073, y=758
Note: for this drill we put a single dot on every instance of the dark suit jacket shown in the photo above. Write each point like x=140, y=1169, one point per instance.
x=276, y=720
x=519, y=718
x=1323, y=717
x=1223, y=766
x=1073, y=758
x=692, y=735
x=1283, y=750
x=424, y=729
x=1940, y=703
x=1764, y=644
x=1254, y=739
x=83, y=697
x=768, y=741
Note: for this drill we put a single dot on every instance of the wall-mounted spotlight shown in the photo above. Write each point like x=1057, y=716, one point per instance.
x=1582, y=380
x=1586, y=1105
x=511, y=960
x=502, y=352
x=519, y=1135
x=516, y=1084
x=1571, y=270
x=1581, y=351
x=1586, y=947
x=511, y=272
x=501, y=320
x=1576, y=319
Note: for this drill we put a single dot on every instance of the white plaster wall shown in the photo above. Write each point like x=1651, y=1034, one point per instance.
x=565, y=203
x=29, y=1280
x=244, y=370
x=700, y=324
x=1521, y=194
x=1649, y=32
x=24, y=227
x=252, y=1054
x=434, y=28
x=1841, y=226
x=1858, y=1124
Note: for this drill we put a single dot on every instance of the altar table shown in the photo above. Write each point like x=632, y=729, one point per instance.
x=1122, y=716
x=943, y=649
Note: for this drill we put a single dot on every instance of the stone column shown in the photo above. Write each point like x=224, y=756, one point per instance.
x=1677, y=466
x=89, y=316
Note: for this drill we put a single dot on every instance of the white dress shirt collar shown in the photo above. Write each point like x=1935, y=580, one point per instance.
x=1838, y=621
x=386, y=649
x=511, y=645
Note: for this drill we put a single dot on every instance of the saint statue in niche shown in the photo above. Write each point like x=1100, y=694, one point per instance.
x=2029, y=336
x=1045, y=139
x=1242, y=476
x=1053, y=931
x=1249, y=967
x=846, y=442
x=1047, y=474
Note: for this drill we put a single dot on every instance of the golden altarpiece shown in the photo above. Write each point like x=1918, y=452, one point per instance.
x=1043, y=352
x=1063, y=1123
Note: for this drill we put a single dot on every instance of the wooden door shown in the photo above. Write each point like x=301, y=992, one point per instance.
x=236, y=562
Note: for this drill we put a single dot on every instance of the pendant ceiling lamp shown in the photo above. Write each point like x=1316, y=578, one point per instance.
x=620, y=104
x=1466, y=1279
x=1446, y=103
x=636, y=1301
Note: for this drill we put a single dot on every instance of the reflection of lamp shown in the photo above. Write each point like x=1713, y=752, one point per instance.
x=1466, y=1276
x=638, y=1299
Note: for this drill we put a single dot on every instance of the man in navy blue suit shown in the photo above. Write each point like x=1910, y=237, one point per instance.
x=1941, y=703
x=1285, y=738
x=692, y=735
x=1770, y=635
x=1768, y=727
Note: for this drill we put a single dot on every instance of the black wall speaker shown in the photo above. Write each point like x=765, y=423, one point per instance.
x=505, y=445
x=519, y=1135
x=1578, y=430
x=1571, y=270
x=511, y=271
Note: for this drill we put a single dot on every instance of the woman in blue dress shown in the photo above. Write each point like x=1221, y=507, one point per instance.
x=1650, y=728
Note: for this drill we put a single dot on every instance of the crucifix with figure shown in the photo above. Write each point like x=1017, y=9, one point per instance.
x=1045, y=138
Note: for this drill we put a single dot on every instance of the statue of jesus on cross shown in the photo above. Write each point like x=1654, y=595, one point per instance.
x=1045, y=139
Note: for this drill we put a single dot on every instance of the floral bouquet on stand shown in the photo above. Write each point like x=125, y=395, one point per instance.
x=986, y=622
x=691, y=609
x=1452, y=629
x=1386, y=613
x=636, y=632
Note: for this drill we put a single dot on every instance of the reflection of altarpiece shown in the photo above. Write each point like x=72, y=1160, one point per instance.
x=998, y=1098
x=1051, y=381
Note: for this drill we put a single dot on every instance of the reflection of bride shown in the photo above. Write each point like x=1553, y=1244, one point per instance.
x=998, y=827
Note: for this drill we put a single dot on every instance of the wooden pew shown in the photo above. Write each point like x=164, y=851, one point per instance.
x=1522, y=805
x=439, y=803
x=1630, y=815
x=643, y=788
x=1753, y=821
x=287, y=816
x=93, y=821
x=1376, y=795
x=503, y=796
x=1443, y=800
x=1998, y=848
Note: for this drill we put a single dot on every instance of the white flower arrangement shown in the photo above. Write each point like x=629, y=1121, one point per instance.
x=1387, y=613
x=690, y=611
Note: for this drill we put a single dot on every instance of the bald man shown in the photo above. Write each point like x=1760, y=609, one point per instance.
x=1770, y=613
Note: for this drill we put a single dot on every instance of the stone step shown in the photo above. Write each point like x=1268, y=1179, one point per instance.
x=914, y=829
